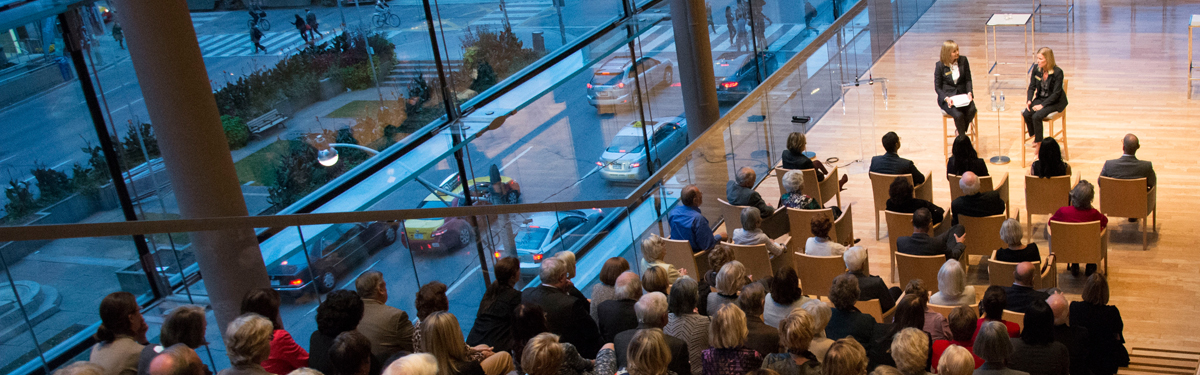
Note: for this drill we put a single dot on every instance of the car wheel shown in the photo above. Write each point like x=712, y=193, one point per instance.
x=464, y=236
x=670, y=78
x=512, y=197
x=389, y=235
x=326, y=282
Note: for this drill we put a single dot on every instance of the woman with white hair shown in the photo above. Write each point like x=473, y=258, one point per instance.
x=545, y=355
x=730, y=279
x=820, y=313
x=952, y=286
x=413, y=364
x=654, y=253
x=248, y=343
x=751, y=232
x=1016, y=252
x=793, y=184
x=910, y=350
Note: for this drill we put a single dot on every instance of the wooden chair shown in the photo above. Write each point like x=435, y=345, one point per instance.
x=982, y=235
x=1060, y=135
x=800, y=223
x=1015, y=317
x=899, y=225
x=1125, y=198
x=1044, y=196
x=732, y=215
x=1001, y=274
x=1079, y=243
x=822, y=191
x=880, y=183
x=924, y=267
x=945, y=310
x=679, y=254
x=817, y=272
x=873, y=308
x=986, y=184
x=948, y=135
x=755, y=258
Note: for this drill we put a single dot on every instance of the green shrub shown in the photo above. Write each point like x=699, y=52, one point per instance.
x=236, y=131
x=131, y=144
x=20, y=201
x=52, y=185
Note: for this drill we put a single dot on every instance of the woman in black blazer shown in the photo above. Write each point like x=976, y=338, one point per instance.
x=952, y=76
x=1045, y=95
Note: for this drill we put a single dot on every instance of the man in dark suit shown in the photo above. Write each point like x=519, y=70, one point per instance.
x=869, y=286
x=652, y=314
x=974, y=203
x=618, y=314
x=388, y=328
x=1021, y=294
x=1075, y=337
x=892, y=163
x=740, y=192
x=920, y=242
x=566, y=316
x=1128, y=166
x=762, y=337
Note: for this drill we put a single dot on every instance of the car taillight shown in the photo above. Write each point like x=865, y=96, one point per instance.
x=589, y=85
x=729, y=84
x=621, y=85
x=496, y=254
x=284, y=263
x=635, y=165
x=537, y=257
x=297, y=282
x=439, y=232
x=600, y=163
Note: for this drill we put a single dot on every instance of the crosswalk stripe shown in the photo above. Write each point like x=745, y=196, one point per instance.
x=668, y=35
x=220, y=43
x=787, y=37
x=227, y=44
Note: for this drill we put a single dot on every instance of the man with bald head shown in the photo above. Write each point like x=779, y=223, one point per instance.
x=687, y=223
x=179, y=359
x=1074, y=337
x=651, y=311
x=740, y=192
x=617, y=314
x=973, y=202
x=1021, y=294
x=1128, y=166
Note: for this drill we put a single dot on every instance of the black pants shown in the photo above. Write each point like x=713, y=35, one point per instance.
x=1033, y=119
x=962, y=116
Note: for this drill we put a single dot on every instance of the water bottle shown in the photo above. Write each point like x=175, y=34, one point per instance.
x=995, y=104
x=1002, y=105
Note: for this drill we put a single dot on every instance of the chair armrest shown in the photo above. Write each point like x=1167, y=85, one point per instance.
x=1152, y=199
x=1003, y=188
x=925, y=190
x=888, y=315
x=845, y=225
x=829, y=186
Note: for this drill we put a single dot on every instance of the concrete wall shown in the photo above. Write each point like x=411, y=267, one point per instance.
x=26, y=85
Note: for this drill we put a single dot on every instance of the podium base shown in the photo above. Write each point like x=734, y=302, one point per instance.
x=999, y=160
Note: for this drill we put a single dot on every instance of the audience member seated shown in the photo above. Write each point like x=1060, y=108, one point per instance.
x=492, y=320
x=994, y=346
x=910, y=351
x=655, y=279
x=717, y=258
x=1036, y=352
x=566, y=316
x=784, y=297
x=443, y=338
x=727, y=335
x=177, y=359
x=183, y=325
x=935, y=323
x=1016, y=252
x=751, y=234
x=908, y=315
x=568, y=258
x=529, y=320
x=845, y=357
x=685, y=324
x=1128, y=166
x=544, y=355
x=351, y=354
x=1074, y=337
x=885, y=370
x=891, y=162
x=413, y=364
x=653, y=254
x=617, y=315
x=1080, y=211
x=820, y=312
x=952, y=287
x=846, y=320
x=793, y=184
x=687, y=223
x=341, y=311
x=795, y=335
x=431, y=298
x=1021, y=294
x=949, y=244
x=973, y=202
x=121, y=336
x=286, y=356
x=248, y=343
x=652, y=315
x=740, y=192
x=901, y=199
x=794, y=158
x=1106, y=351
x=869, y=286
x=962, y=331
x=80, y=368
x=605, y=289
x=992, y=305
x=965, y=159
x=1049, y=162
x=957, y=360
x=820, y=244
x=649, y=354
x=761, y=337
x=730, y=281
x=387, y=329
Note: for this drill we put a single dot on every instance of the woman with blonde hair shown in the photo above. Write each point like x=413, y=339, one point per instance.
x=1045, y=94
x=443, y=338
x=654, y=253
x=952, y=286
x=952, y=76
x=910, y=351
x=730, y=279
x=413, y=364
x=727, y=334
x=648, y=354
x=545, y=355
x=956, y=360
x=795, y=335
x=845, y=357
x=248, y=343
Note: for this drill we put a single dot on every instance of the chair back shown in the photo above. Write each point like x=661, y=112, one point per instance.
x=1077, y=242
x=924, y=267
x=732, y=215
x=1002, y=274
x=800, y=222
x=817, y=272
x=755, y=258
x=945, y=310
x=898, y=225
x=982, y=234
x=1015, y=317
x=679, y=254
x=1124, y=198
x=872, y=307
x=1044, y=196
x=985, y=185
x=880, y=183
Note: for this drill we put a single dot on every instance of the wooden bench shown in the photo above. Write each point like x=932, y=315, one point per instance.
x=266, y=121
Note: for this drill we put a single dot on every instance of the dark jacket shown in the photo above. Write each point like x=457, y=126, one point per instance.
x=738, y=195
x=872, y=287
x=800, y=161
x=977, y=205
x=1053, y=93
x=1020, y=297
x=923, y=244
x=1046, y=359
x=851, y=323
x=944, y=83
x=1129, y=167
x=679, y=350
x=616, y=316
x=1106, y=349
x=762, y=338
x=493, y=321
x=567, y=316
x=977, y=166
x=912, y=205
x=1075, y=338
x=890, y=163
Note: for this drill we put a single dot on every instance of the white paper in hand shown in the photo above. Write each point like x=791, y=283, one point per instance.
x=960, y=100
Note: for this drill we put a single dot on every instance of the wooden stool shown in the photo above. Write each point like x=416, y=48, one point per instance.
x=948, y=136
x=1060, y=135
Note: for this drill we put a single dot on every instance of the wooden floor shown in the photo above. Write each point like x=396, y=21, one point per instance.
x=1127, y=66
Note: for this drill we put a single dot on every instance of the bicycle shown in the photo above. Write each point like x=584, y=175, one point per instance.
x=263, y=24
x=258, y=18
x=386, y=19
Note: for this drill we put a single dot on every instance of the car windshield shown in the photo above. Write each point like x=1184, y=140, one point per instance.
x=531, y=238
x=626, y=143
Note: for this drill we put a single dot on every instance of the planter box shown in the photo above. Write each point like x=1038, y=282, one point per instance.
x=132, y=279
x=331, y=87
x=71, y=209
x=36, y=80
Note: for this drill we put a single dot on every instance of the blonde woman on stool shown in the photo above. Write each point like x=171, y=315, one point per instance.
x=952, y=76
x=1045, y=94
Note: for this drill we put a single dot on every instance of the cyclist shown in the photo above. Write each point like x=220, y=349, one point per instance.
x=382, y=7
x=256, y=14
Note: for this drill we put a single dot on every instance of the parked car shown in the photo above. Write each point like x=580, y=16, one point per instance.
x=612, y=84
x=737, y=74
x=626, y=158
x=453, y=233
x=333, y=252
x=546, y=233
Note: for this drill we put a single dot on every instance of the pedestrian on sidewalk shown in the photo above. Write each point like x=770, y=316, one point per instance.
x=301, y=27
x=118, y=35
x=311, y=18
x=256, y=38
x=729, y=22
